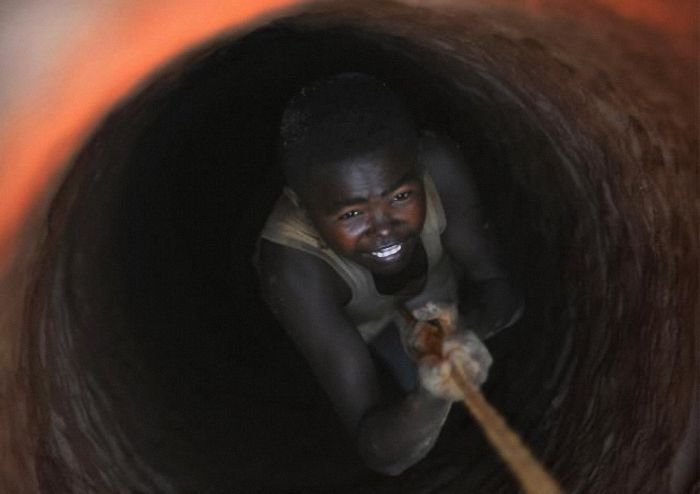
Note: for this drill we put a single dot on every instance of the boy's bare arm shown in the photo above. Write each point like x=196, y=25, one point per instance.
x=466, y=238
x=307, y=296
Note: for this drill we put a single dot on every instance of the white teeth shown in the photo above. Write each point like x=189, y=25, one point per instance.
x=387, y=251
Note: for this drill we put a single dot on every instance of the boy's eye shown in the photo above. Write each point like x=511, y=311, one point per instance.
x=349, y=214
x=402, y=196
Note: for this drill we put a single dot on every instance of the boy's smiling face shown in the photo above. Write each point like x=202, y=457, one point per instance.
x=369, y=208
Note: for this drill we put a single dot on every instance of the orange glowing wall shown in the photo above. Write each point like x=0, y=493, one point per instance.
x=72, y=78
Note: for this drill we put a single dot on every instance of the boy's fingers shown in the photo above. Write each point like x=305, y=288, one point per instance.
x=468, y=352
x=427, y=312
x=448, y=318
x=424, y=337
x=436, y=377
x=436, y=310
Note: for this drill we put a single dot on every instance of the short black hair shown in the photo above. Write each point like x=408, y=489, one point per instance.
x=336, y=118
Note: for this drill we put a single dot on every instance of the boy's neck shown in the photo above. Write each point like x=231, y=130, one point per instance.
x=409, y=281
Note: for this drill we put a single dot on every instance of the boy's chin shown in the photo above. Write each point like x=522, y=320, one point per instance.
x=387, y=270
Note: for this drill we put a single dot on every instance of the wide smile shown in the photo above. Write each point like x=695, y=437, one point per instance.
x=391, y=257
x=388, y=251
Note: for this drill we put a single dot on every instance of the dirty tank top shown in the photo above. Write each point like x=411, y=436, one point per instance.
x=369, y=310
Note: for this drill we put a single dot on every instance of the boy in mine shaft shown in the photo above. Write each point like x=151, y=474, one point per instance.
x=378, y=220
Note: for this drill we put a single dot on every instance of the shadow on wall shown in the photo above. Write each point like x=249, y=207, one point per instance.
x=138, y=344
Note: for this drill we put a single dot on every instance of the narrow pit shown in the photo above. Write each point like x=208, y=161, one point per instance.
x=157, y=368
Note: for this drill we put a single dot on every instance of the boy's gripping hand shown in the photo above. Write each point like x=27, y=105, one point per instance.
x=462, y=350
x=438, y=345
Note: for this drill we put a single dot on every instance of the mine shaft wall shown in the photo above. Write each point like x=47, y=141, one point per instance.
x=581, y=129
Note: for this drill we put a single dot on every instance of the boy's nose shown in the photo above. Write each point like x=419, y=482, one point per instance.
x=381, y=223
x=383, y=230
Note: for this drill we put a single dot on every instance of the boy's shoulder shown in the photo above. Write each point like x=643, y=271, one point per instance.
x=285, y=270
x=441, y=157
x=437, y=145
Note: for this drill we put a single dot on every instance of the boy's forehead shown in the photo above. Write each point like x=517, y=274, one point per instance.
x=360, y=176
x=381, y=163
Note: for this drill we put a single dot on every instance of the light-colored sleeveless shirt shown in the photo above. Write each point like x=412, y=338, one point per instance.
x=369, y=310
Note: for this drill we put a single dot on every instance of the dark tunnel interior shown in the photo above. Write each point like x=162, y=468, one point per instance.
x=165, y=372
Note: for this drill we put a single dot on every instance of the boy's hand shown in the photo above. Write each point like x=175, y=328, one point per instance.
x=458, y=349
x=438, y=345
x=431, y=324
x=444, y=312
